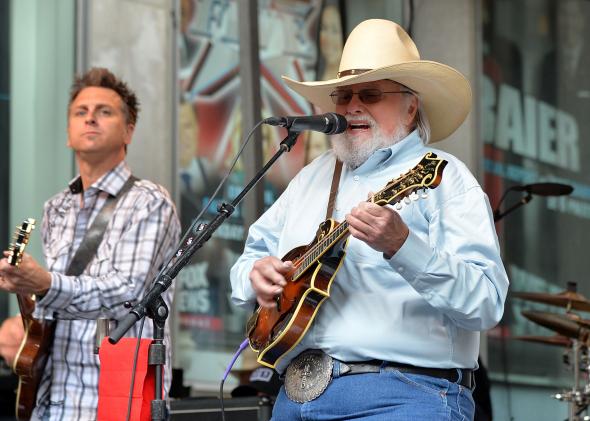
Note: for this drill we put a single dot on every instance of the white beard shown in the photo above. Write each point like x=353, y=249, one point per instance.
x=354, y=152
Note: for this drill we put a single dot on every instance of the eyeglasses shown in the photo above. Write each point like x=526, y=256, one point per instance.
x=367, y=96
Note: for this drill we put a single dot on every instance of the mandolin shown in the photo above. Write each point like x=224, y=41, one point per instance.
x=273, y=332
x=32, y=355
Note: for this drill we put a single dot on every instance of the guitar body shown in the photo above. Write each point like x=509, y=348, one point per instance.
x=30, y=361
x=31, y=358
x=275, y=331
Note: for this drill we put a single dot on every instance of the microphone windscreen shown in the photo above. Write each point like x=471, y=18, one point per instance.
x=546, y=189
x=339, y=123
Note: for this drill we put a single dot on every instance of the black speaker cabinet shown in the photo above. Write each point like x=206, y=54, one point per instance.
x=209, y=409
x=8, y=384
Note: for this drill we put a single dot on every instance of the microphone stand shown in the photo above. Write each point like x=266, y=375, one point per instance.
x=523, y=201
x=153, y=305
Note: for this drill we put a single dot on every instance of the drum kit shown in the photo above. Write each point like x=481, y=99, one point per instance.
x=571, y=332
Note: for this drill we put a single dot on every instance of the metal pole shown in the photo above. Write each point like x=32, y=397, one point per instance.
x=251, y=104
x=82, y=31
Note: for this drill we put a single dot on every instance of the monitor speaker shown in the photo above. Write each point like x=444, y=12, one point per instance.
x=250, y=408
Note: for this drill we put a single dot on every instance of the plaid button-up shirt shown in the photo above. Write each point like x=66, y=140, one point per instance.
x=140, y=236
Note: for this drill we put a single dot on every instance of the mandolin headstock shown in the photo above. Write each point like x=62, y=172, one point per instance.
x=427, y=174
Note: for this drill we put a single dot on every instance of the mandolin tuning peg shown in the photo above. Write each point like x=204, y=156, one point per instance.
x=398, y=206
x=407, y=200
x=424, y=194
x=414, y=196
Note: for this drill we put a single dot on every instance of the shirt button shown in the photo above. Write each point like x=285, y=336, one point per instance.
x=356, y=178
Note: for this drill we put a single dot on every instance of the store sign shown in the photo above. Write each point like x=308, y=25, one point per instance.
x=528, y=127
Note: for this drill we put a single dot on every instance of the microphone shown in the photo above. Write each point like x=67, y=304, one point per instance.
x=329, y=123
x=545, y=189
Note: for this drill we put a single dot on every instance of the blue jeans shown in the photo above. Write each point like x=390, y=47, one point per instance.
x=386, y=396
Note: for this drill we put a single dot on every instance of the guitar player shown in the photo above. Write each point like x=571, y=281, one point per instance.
x=398, y=338
x=139, y=228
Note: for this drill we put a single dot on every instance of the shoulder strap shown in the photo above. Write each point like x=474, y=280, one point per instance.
x=95, y=233
x=334, y=188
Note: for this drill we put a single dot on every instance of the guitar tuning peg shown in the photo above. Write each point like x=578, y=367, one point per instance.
x=398, y=206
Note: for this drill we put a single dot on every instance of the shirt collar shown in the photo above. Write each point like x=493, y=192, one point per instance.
x=383, y=156
x=111, y=182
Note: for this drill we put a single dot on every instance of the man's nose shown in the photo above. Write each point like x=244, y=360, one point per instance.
x=355, y=105
x=91, y=119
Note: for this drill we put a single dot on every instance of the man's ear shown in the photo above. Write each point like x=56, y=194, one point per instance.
x=129, y=134
x=412, y=111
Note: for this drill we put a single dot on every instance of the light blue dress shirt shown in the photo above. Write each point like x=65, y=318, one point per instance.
x=426, y=305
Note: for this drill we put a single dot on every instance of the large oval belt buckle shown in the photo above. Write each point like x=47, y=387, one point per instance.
x=308, y=375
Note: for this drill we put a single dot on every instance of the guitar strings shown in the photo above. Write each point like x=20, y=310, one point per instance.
x=303, y=262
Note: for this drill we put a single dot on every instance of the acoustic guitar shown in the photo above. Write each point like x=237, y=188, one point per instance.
x=32, y=355
x=273, y=332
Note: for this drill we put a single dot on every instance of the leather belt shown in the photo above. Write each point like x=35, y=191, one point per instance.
x=374, y=366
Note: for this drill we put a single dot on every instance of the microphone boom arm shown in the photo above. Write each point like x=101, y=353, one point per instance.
x=152, y=300
x=523, y=201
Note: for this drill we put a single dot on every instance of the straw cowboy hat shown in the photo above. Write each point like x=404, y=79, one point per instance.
x=380, y=49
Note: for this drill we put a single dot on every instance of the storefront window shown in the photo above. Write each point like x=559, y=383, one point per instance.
x=299, y=39
x=536, y=98
x=209, y=326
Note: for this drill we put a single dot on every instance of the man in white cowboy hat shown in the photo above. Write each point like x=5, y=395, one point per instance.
x=398, y=339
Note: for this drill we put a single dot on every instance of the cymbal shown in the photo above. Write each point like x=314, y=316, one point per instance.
x=559, y=323
x=567, y=299
x=558, y=340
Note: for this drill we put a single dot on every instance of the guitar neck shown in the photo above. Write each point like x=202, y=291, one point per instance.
x=426, y=174
x=26, y=305
x=16, y=250
x=314, y=253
